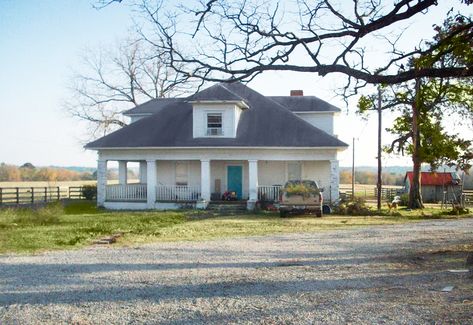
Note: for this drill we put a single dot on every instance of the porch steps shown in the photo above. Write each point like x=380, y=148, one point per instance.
x=227, y=206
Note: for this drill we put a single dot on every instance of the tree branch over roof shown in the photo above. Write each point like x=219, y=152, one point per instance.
x=220, y=40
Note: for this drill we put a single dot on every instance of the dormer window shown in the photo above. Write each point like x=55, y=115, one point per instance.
x=214, y=124
x=216, y=118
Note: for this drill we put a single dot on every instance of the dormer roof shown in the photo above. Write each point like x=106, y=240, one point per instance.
x=218, y=93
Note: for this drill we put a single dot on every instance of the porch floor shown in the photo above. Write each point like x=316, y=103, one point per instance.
x=235, y=202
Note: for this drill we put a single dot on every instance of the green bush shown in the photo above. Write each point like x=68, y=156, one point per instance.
x=89, y=192
x=357, y=207
x=404, y=200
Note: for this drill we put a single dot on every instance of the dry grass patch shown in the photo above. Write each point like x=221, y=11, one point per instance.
x=80, y=223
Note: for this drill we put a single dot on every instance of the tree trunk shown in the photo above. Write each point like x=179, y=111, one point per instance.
x=379, y=183
x=415, y=194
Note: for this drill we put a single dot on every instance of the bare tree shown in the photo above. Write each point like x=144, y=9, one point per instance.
x=221, y=40
x=113, y=80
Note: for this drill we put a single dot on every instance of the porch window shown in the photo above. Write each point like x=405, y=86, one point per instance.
x=214, y=124
x=294, y=171
x=181, y=173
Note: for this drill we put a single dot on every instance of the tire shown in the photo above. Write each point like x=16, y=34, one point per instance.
x=282, y=213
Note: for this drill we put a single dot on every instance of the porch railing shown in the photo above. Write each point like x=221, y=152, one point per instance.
x=177, y=193
x=269, y=192
x=128, y=192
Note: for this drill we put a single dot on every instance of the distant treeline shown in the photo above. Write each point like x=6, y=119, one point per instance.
x=28, y=172
x=366, y=177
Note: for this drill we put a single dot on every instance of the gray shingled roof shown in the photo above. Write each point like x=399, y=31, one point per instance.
x=219, y=92
x=152, y=106
x=265, y=124
x=305, y=104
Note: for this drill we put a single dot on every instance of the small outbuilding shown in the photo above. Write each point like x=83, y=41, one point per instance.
x=434, y=185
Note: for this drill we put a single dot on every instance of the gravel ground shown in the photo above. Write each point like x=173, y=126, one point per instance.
x=388, y=274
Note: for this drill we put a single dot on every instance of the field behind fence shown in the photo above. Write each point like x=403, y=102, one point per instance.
x=46, y=184
x=37, y=195
x=369, y=192
x=36, y=192
x=13, y=193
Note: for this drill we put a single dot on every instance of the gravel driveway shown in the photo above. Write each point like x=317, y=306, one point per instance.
x=388, y=274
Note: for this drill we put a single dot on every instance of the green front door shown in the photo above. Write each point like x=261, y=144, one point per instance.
x=234, y=180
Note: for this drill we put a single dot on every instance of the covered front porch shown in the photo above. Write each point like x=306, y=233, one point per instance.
x=194, y=183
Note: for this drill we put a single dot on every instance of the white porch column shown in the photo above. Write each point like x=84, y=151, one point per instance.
x=253, y=179
x=143, y=177
x=151, y=182
x=101, y=181
x=205, y=179
x=122, y=172
x=334, y=180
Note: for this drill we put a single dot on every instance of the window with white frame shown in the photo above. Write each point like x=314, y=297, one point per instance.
x=181, y=173
x=294, y=170
x=214, y=124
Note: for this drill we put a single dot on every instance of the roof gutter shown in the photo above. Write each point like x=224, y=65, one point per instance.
x=228, y=147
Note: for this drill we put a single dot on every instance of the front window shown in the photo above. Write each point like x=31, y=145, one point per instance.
x=181, y=173
x=214, y=124
x=294, y=171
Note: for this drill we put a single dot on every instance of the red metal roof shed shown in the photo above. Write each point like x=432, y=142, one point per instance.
x=435, y=178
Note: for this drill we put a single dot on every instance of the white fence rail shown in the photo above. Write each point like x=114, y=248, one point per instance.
x=129, y=192
x=269, y=192
x=177, y=193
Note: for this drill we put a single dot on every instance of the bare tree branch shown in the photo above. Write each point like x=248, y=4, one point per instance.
x=222, y=40
x=114, y=80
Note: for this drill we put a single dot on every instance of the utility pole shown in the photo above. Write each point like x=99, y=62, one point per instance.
x=353, y=173
x=380, y=168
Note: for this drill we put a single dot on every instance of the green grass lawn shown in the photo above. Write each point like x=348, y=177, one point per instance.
x=78, y=223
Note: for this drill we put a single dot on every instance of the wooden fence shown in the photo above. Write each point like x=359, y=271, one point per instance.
x=37, y=195
x=387, y=194
x=467, y=198
x=369, y=192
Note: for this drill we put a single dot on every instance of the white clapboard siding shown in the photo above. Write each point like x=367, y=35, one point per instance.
x=177, y=193
x=269, y=192
x=129, y=192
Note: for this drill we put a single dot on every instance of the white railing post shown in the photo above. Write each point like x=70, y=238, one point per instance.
x=101, y=181
x=130, y=192
x=253, y=184
x=269, y=193
x=177, y=193
x=334, y=180
x=253, y=179
x=151, y=183
x=205, y=179
x=122, y=172
x=143, y=177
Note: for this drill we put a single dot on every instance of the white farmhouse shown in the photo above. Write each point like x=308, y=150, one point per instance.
x=225, y=138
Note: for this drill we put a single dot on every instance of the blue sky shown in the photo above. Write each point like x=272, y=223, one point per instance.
x=40, y=45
